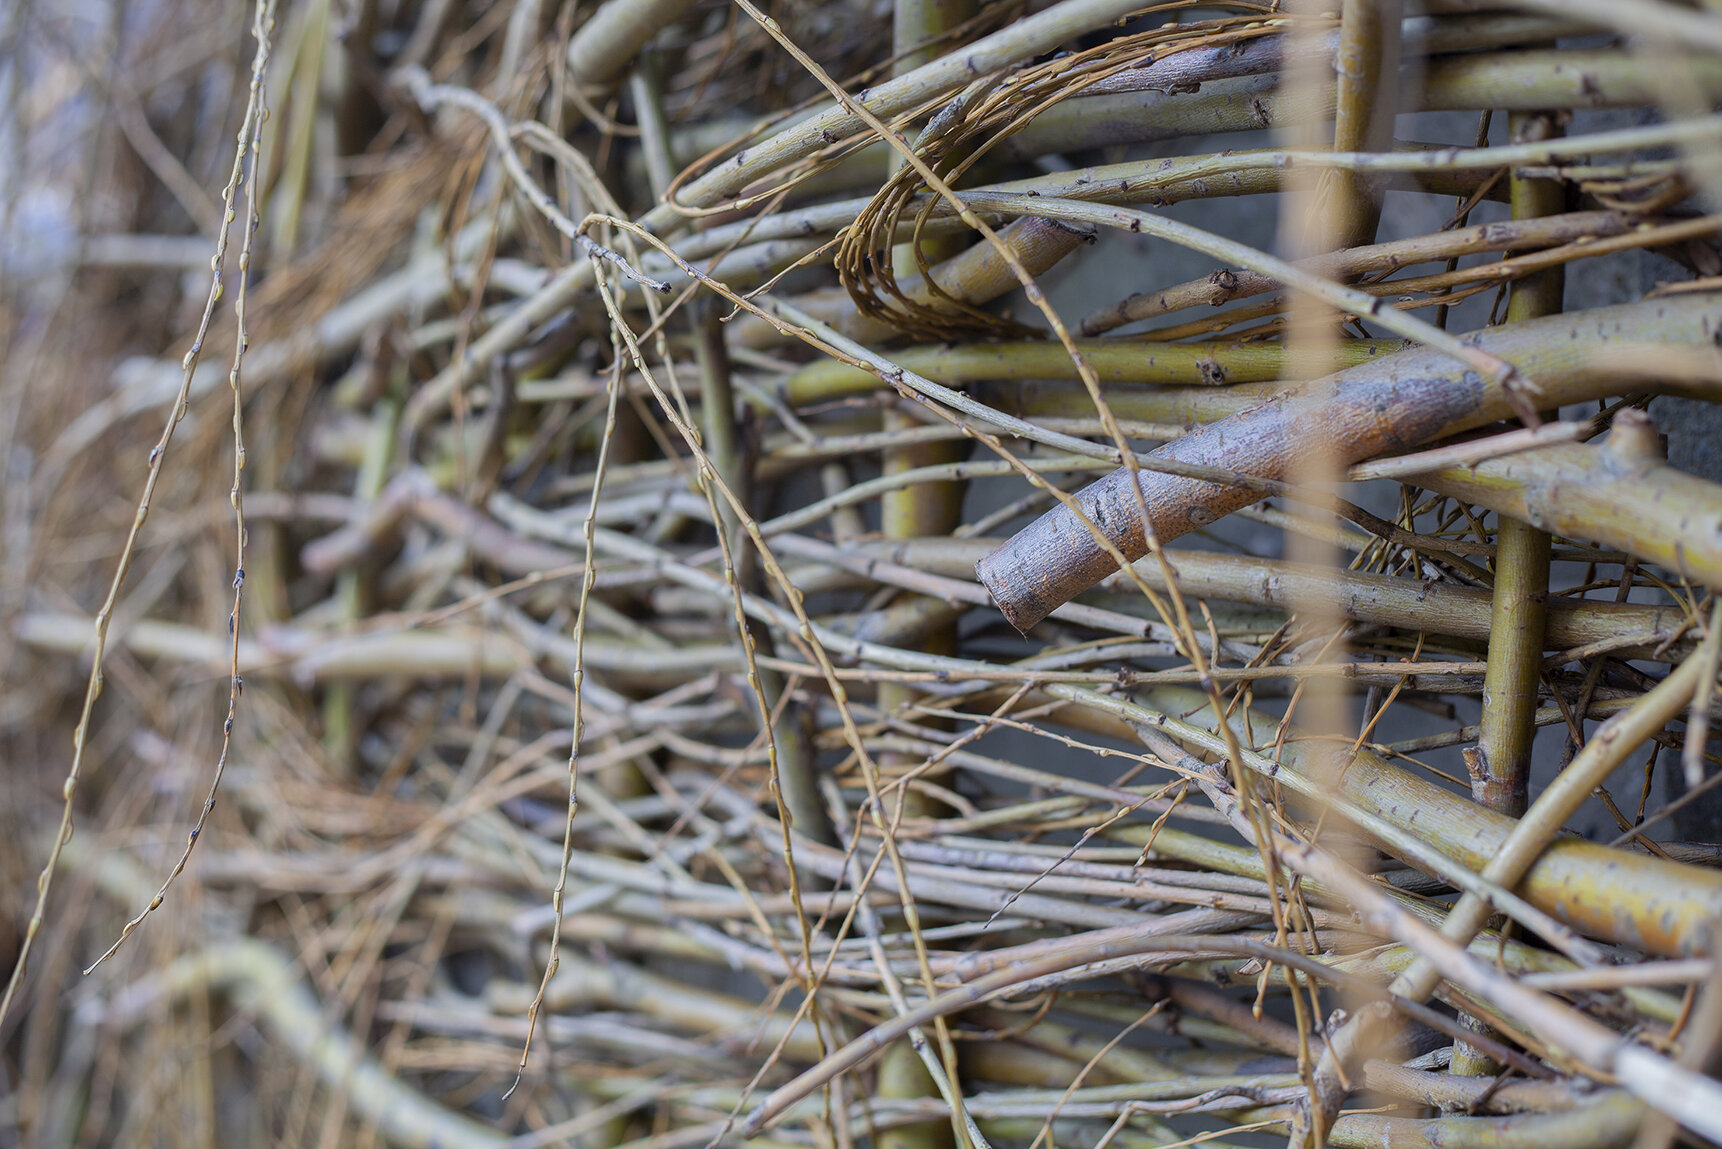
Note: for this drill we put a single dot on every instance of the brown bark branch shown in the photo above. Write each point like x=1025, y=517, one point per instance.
x=1396, y=403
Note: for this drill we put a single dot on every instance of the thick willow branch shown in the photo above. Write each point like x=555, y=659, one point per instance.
x=1410, y=603
x=1530, y=836
x=1501, y=765
x=1366, y=66
x=1019, y=41
x=1515, y=81
x=1694, y=1100
x=1636, y=630
x=606, y=44
x=1662, y=22
x=261, y=980
x=1630, y=899
x=304, y=655
x=1418, y=35
x=1112, y=361
x=1622, y=494
x=1392, y=404
x=1607, y=1124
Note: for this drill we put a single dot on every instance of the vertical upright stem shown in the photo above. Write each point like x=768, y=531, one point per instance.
x=1500, y=765
x=352, y=586
x=911, y=512
x=646, y=86
x=916, y=23
x=1322, y=213
x=1368, y=70
x=718, y=432
x=928, y=509
x=931, y=508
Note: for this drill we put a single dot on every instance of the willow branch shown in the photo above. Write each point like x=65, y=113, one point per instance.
x=1395, y=403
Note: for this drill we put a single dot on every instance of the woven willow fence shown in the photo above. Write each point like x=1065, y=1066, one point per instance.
x=702, y=574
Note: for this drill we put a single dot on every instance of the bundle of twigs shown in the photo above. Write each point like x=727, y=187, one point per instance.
x=756, y=577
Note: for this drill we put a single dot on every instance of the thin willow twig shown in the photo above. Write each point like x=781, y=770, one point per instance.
x=251, y=125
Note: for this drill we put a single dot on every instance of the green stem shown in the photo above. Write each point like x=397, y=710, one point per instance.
x=797, y=777
x=1112, y=361
x=1500, y=765
x=1412, y=604
x=605, y=45
x=1529, y=841
x=1629, y=899
x=352, y=586
x=1368, y=67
